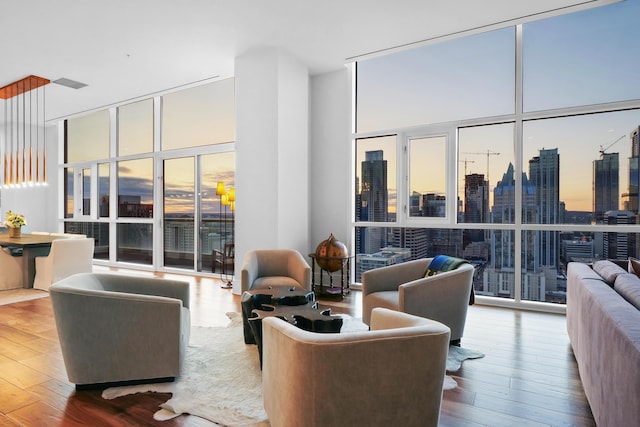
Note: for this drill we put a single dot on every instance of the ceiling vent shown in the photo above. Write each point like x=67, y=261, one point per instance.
x=69, y=83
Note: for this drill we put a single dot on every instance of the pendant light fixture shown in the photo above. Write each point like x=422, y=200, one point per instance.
x=24, y=158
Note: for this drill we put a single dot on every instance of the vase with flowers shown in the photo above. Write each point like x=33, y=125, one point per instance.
x=14, y=222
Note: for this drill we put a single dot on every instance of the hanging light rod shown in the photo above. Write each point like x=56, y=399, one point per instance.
x=24, y=85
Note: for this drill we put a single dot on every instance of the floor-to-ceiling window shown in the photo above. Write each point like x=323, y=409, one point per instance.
x=141, y=177
x=516, y=149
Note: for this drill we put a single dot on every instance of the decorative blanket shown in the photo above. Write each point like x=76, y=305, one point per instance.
x=441, y=263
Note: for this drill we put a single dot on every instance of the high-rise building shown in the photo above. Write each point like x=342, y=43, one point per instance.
x=374, y=202
x=606, y=185
x=617, y=245
x=476, y=206
x=544, y=174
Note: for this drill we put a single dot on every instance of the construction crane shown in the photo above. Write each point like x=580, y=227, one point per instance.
x=487, y=153
x=465, y=161
x=603, y=149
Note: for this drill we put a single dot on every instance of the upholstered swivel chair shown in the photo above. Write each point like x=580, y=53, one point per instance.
x=264, y=268
x=443, y=297
x=391, y=375
x=121, y=329
x=10, y=270
x=66, y=257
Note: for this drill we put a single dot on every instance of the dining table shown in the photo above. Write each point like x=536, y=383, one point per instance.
x=31, y=246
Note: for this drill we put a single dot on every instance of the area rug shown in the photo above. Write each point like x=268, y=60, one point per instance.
x=11, y=296
x=221, y=379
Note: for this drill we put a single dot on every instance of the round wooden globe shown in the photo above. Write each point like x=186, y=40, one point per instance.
x=331, y=254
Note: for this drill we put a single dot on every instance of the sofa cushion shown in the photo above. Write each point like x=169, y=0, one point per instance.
x=628, y=286
x=608, y=270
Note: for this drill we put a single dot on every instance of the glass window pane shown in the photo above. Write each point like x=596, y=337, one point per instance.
x=86, y=191
x=135, y=188
x=486, y=186
x=88, y=137
x=463, y=78
x=135, y=243
x=376, y=189
x=98, y=230
x=582, y=58
x=179, y=212
x=68, y=194
x=580, y=167
x=406, y=244
x=217, y=220
x=135, y=128
x=103, y=189
x=199, y=116
x=427, y=176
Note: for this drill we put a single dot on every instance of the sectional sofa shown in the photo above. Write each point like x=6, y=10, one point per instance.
x=603, y=322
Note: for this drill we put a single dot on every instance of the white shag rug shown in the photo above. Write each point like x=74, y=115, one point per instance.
x=222, y=382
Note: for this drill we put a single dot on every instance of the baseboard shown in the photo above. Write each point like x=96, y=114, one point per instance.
x=102, y=386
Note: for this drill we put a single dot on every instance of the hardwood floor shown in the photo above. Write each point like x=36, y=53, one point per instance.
x=527, y=378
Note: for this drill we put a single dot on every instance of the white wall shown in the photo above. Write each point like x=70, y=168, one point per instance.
x=272, y=153
x=38, y=203
x=330, y=154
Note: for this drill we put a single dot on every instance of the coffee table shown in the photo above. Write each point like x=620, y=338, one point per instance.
x=293, y=305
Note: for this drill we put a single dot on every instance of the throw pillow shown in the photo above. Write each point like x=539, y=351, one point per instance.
x=634, y=266
x=608, y=270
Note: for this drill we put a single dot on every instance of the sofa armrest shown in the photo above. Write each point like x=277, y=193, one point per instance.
x=391, y=277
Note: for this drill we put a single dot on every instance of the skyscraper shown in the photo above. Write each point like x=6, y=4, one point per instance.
x=606, y=185
x=544, y=174
x=617, y=245
x=374, y=202
x=476, y=205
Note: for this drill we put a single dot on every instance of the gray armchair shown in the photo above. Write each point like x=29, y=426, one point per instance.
x=443, y=297
x=264, y=268
x=121, y=329
x=391, y=375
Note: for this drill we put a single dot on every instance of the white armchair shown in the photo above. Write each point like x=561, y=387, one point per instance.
x=66, y=257
x=10, y=270
x=443, y=297
x=263, y=268
x=391, y=375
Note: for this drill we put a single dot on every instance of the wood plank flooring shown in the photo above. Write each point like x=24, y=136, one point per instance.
x=527, y=378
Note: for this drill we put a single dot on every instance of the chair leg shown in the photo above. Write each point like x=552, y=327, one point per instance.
x=455, y=342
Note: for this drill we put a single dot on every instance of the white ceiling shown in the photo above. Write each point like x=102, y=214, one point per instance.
x=126, y=49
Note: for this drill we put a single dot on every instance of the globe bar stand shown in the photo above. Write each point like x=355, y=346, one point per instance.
x=330, y=289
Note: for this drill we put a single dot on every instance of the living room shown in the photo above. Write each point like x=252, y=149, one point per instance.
x=294, y=135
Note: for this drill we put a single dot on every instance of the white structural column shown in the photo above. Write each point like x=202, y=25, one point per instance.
x=272, y=153
x=332, y=183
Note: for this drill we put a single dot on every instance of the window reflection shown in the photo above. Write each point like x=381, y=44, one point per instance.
x=103, y=189
x=135, y=188
x=68, y=193
x=135, y=243
x=427, y=176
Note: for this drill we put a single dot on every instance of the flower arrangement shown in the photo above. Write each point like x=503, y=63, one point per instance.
x=14, y=220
